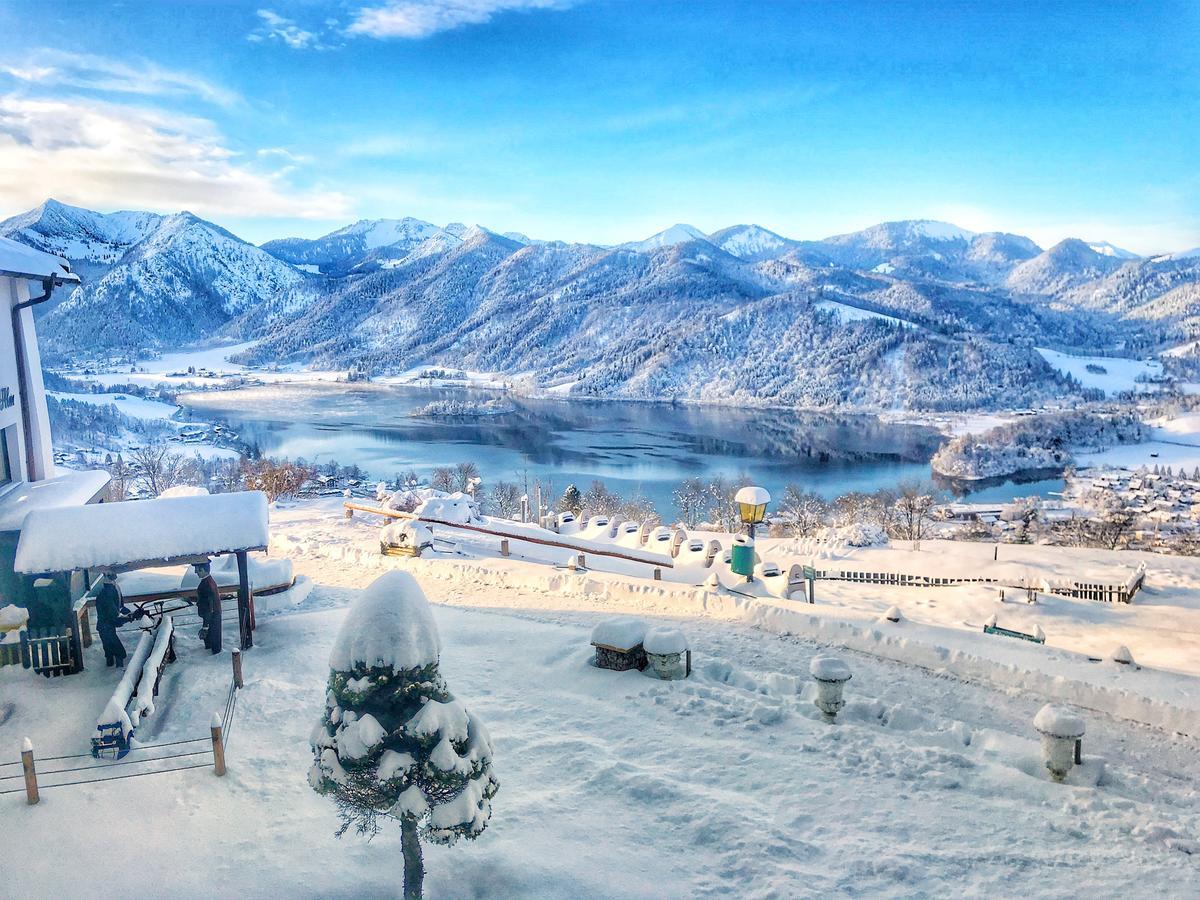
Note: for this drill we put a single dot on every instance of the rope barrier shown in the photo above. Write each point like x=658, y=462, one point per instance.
x=203, y=765
x=122, y=762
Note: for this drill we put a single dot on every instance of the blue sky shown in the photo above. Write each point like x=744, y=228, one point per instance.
x=609, y=120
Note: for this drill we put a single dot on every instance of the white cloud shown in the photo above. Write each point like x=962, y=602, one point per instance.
x=416, y=19
x=99, y=73
x=115, y=156
x=275, y=27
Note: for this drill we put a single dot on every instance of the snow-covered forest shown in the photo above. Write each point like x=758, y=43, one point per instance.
x=912, y=315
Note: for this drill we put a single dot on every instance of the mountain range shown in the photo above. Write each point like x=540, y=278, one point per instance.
x=910, y=314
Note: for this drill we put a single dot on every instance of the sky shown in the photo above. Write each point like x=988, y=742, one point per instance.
x=609, y=120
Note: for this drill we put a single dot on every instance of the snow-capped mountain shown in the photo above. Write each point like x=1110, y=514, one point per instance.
x=339, y=252
x=669, y=237
x=751, y=242
x=1066, y=265
x=92, y=241
x=1104, y=248
x=182, y=282
x=914, y=313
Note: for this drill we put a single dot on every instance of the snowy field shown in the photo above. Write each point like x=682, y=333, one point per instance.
x=1119, y=375
x=612, y=785
x=134, y=407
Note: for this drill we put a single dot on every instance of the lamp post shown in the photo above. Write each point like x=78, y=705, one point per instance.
x=752, y=509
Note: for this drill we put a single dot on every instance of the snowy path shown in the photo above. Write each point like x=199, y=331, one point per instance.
x=615, y=785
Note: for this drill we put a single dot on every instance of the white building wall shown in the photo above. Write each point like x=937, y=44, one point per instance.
x=39, y=464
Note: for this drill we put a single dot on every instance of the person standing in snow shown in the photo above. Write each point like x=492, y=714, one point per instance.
x=111, y=612
x=208, y=605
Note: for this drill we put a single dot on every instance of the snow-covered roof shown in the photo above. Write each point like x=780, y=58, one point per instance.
x=138, y=533
x=25, y=262
x=67, y=489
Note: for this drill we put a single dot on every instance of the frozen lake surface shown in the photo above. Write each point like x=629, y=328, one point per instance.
x=634, y=447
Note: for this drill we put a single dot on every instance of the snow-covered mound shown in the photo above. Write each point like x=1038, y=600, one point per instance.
x=664, y=640
x=390, y=624
x=458, y=508
x=1060, y=721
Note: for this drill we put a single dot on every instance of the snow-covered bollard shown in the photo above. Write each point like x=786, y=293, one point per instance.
x=1061, y=728
x=831, y=674
x=667, y=653
x=1123, y=656
x=893, y=615
x=618, y=644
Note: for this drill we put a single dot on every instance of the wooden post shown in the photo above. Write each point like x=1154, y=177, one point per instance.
x=657, y=574
x=349, y=513
x=244, y=624
x=218, y=746
x=582, y=561
x=236, y=656
x=504, y=547
x=1078, y=751
x=31, y=786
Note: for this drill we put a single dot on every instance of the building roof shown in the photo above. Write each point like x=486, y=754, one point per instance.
x=25, y=262
x=141, y=533
x=69, y=488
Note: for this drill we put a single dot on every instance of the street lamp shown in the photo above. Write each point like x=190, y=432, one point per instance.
x=752, y=505
x=752, y=509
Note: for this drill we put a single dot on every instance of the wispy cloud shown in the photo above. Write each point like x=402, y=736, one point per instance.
x=415, y=19
x=275, y=27
x=117, y=156
x=56, y=69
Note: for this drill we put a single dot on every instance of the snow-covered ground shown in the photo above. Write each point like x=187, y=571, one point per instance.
x=612, y=785
x=214, y=362
x=1176, y=442
x=134, y=407
x=1118, y=375
x=848, y=313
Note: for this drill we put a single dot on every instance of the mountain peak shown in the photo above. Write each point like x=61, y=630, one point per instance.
x=679, y=233
x=1104, y=248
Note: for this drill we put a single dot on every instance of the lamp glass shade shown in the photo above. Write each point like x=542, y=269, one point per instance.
x=752, y=504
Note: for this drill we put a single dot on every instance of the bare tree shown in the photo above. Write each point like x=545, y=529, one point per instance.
x=914, y=511
x=157, y=468
x=803, y=512
x=505, y=499
x=600, y=500
x=442, y=479
x=464, y=474
x=691, y=498
x=274, y=478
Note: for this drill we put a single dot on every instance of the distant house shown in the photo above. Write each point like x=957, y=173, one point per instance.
x=28, y=478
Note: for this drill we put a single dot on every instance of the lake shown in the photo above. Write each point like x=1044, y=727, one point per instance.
x=634, y=447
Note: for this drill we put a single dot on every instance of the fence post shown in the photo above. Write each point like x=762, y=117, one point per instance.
x=657, y=574
x=504, y=547
x=218, y=745
x=236, y=656
x=31, y=786
x=582, y=562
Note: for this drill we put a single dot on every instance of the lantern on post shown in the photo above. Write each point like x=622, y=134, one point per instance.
x=752, y=509
x=752, y=505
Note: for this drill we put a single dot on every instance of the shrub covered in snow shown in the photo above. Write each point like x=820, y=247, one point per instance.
x=857, y=534
x=394, y=742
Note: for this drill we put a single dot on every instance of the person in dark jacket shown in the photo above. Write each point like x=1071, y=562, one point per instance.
x=111, y=612
x=208, y=605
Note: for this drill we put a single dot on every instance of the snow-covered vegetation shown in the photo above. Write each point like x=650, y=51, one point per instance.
x=941, y=317
x=1037, y=442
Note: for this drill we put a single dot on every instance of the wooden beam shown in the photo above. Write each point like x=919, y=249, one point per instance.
x=244, y=622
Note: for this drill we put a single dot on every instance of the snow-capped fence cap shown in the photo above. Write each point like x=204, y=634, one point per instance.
x=137, y=534
x=1122, y=655
x=829, y=668
x=621, y=633
x=1059, y=721
x=389, y=625
x=664, y=640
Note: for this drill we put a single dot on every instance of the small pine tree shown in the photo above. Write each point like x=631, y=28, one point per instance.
x=394, y=743
x=571, y=500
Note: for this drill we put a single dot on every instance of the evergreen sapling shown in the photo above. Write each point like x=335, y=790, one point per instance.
x=394, y=743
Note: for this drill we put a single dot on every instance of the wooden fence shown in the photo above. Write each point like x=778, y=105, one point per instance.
x=1121, y=593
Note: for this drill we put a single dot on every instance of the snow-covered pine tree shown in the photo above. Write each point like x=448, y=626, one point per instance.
x=394, y=743
x=571, y=500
